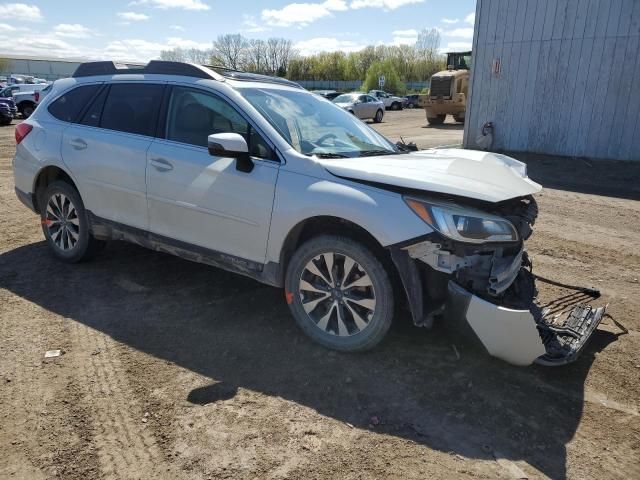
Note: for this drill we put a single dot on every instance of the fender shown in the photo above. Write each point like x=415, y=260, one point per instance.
x=300, y=197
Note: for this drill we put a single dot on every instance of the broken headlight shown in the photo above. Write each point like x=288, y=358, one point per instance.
x=464, y=224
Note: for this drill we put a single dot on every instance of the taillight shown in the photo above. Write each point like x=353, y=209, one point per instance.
x=36, y=95
x=22, y=130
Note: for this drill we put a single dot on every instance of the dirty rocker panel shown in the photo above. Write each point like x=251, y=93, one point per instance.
x=104, y=229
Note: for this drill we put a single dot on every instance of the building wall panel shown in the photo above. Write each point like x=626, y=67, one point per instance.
x=569, y=80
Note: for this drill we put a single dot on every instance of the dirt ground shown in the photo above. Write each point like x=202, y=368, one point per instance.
x=176, y=370
x=412, y=126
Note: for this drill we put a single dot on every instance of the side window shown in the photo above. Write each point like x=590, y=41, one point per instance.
x=68, y=106
x=132, y=108
x=193, y=115
x=93, y=114
x=362, y=98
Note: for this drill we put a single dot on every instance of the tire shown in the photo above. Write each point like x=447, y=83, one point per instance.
x=5, y=121
x=65, y=224
x=366, y=309
x=27, y=110
x=410, y=106
x=458, y=119
x=439, y=120
x=396, y=106
x=379, y=116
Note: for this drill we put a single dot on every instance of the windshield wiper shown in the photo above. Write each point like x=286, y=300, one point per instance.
x=331, y=155
x=373, y=153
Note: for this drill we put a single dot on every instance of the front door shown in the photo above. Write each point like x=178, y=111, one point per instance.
x=201, y=199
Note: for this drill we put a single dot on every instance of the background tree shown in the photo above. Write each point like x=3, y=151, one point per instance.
x=229, y=51
x=392, y=79
x=277, y=56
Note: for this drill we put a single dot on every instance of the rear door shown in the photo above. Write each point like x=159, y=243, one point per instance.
x=107, y=150
x=201, y=199
x=361, y=107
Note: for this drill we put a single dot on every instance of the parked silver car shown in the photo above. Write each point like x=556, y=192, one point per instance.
x=362, y=105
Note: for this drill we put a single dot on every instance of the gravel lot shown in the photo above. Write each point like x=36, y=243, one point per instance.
x=176, y=370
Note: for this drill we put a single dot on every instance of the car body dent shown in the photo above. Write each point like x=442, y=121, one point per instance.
x=466, y=173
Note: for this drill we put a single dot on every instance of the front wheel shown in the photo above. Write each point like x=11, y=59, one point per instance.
x=438, y=120
x=379, y=116
x=339, y=293
x=65, y=224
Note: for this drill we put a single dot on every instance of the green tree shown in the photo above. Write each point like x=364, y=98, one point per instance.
x=392, y=79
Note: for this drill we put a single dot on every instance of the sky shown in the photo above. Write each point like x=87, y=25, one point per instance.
x=137, y=30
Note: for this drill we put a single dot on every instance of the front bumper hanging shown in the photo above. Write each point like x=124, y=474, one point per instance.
x=519, y=336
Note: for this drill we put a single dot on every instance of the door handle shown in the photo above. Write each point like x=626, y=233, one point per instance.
x=161, y=164
x=78, y=144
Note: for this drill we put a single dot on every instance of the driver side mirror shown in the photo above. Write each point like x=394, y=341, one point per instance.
x=231, y=145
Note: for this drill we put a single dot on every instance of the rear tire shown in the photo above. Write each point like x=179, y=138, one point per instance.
x=379, y=116
x=339, y=293
x=27, y=110
x=458, y=119
x=65, y=224
x=439, y=120
x=396, y=106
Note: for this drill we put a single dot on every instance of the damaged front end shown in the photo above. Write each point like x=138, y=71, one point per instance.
x=473, y=271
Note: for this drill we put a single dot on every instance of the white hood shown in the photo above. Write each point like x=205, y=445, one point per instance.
x=468, y=173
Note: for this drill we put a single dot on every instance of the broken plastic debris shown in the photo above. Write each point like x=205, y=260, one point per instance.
x=52, y=353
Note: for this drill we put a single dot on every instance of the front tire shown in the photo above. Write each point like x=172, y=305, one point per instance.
x=65, y=224
x=439, y=120
x=339, y=293
x=379, y=116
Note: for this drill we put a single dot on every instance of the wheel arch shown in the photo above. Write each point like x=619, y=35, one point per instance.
x=44, y=178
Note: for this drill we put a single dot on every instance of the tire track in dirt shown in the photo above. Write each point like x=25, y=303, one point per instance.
x=125, y=445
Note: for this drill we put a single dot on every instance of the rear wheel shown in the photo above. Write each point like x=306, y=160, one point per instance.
x=459, y=119
x=438, y=120
x=65, y=224
x=379, y=116
x=339, y=293
x=396, y=106
x=27, y=110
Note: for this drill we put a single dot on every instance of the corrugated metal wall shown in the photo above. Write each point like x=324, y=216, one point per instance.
x=568, y=80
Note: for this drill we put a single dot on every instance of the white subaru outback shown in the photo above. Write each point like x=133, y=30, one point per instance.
x=256, y=175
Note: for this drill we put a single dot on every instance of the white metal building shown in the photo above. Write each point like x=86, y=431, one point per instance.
x=557, y=77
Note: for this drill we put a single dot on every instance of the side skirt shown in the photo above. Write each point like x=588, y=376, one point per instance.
x=104, y=229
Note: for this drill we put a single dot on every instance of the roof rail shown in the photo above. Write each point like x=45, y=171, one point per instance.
x=90, y=69
x=250, y=77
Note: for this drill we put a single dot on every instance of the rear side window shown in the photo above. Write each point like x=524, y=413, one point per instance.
x=132, y=108
x=92, y=116
x=68, y=106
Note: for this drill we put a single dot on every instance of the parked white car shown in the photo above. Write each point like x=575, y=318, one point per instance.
x=260, y=177
x=361, y=105
x=390, y=101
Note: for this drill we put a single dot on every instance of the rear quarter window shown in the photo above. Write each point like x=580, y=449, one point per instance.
x=68, y=107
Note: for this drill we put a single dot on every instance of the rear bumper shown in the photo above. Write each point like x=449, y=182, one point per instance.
x=521, y=337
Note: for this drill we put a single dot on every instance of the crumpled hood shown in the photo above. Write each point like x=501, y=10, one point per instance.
x=473, y=174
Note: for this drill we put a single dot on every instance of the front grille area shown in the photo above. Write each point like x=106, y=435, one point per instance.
x=440, y=87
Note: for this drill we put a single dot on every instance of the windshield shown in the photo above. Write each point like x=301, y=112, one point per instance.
x=345, y=98
x=314, y=126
